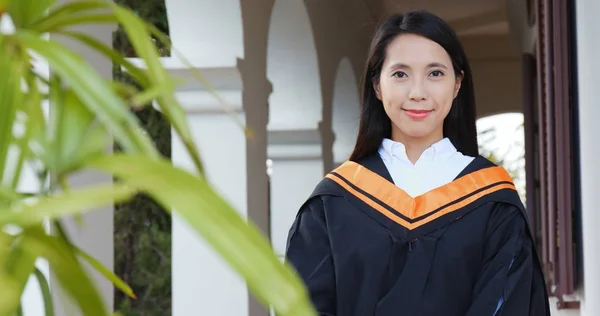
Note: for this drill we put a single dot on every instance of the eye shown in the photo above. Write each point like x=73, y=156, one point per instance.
x=399, y=74
x=436, y=73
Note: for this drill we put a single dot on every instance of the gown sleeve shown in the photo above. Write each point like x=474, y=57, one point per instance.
x=309, y=252
x=510, y=281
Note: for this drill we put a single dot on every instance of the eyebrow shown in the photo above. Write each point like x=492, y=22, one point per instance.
x=430, y=65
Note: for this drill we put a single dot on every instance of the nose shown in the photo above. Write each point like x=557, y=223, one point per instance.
x=417, y=91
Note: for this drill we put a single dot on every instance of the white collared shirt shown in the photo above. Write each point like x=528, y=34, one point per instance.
x=439, y=164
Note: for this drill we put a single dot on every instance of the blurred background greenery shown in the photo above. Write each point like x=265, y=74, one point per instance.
x=142, y=236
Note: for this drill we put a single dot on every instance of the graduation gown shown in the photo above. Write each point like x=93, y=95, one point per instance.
x=365, y=247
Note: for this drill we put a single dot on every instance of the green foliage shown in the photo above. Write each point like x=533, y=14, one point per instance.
x=142, y=239
x=86, y=108
x=143, y=259
x=155, y=13
x=142, y=227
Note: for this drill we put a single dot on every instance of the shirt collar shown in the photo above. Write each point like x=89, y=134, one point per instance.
x=391, y=150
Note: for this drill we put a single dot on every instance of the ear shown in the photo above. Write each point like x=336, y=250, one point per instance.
x=458, y=83
x=377, y=89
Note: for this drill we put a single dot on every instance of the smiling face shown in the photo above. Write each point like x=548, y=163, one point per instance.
x=417, y=85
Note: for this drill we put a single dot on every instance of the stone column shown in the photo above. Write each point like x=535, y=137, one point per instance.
x=257, y=89
x=203, y=283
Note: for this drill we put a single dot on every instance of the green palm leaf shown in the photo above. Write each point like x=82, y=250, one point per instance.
x=87, y=107
x=240, y=243
x=94, y=92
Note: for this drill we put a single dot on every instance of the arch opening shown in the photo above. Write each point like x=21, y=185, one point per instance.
x=292, y=68
x=346, y=111
x=192, y=25
x=502, y=140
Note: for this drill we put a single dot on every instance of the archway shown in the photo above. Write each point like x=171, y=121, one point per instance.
x=192, y=26
x=346, y=111
x=501, y=139
x=293, y=69
x=295, y=110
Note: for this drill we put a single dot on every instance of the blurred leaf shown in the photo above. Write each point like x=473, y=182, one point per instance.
x=73, y=20
x=63, y=204
x=11, y=97
x=120, y=284
x=8, y=194
x=67, y=269
x=153, y=93
x=81, y=97
x=45, y=288
x=9, y=285
x=24, y=12
x=137, y=31
x=74, y=13
x=241, y=244
x=20, y=264
x=139, y=74
x=94, y=92
x=30, y=124
x=78, y=135
x=38, y=141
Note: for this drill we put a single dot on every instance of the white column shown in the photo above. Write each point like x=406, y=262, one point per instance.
x=588, y=46
x=210, y=35
x=203, y=283
x=297, y=167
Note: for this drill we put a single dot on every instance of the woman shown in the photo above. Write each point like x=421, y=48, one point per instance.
x=416, y=223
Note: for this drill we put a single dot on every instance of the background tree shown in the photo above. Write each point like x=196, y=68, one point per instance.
x=142, y=235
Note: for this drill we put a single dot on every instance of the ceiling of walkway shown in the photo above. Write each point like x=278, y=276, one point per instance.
x=468, y=17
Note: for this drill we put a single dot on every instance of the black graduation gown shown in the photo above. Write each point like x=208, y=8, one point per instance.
x=365, y=247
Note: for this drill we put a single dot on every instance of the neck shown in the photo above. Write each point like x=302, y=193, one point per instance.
x=415, y=146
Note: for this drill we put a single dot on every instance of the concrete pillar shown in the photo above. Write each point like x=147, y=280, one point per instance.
x=588, y=26
x=297, y=167
x=257, y=88
x=202, y=281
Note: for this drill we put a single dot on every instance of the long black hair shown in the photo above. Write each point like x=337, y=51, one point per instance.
x=375, y=125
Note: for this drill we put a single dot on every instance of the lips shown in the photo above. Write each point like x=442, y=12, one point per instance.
x=417, y=114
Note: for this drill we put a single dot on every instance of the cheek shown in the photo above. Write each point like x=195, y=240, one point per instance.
x=392, y=93
x=443, y=97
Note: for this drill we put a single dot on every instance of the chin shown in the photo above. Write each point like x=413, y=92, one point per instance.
x=417, y=133
x=415, y=130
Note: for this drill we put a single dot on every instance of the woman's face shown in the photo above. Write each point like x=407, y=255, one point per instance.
x=417, y=85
